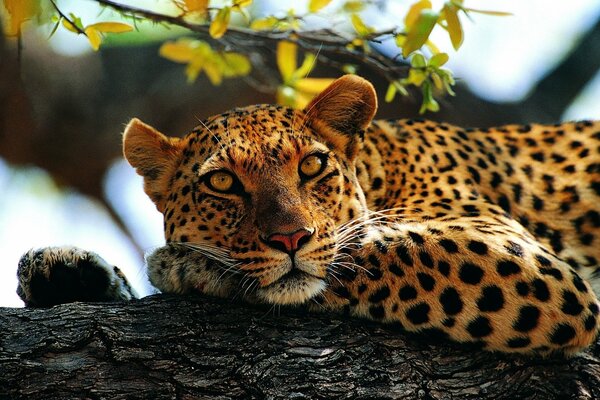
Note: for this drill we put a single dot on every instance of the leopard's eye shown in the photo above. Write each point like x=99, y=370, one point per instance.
x=312, y=165
x=221, y=181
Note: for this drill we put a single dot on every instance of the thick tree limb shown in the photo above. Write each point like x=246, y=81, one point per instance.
x=167, y=347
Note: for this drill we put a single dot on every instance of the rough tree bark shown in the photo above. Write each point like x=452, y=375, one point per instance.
x=168, y=347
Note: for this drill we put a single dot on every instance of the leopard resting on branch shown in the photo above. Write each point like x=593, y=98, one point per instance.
x=479, y=234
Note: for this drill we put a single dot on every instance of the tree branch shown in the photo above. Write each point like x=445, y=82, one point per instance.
x=63, y=16
x=322, y=42
x=167, y=347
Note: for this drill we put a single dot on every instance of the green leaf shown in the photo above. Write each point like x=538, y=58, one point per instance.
x=76, y=20
x=391, y=93
x=455, y=30
x=56, y=25
x=418, y=61
x=349, y=68
x=437, y=81
x=420, y=31
x=447, y=79
x=315, y=5
x=429, y=103
x=438, y=60
x=401, y=89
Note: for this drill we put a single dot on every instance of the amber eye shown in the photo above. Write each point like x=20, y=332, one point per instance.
x=221, y=181
x=312, y=165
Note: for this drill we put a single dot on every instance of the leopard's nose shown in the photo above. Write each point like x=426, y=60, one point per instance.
x=289, y=242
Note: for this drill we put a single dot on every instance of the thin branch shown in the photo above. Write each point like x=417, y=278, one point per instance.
x=63, y=16
x=326, y=42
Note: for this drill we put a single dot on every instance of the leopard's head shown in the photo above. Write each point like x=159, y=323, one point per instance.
x=263, y=189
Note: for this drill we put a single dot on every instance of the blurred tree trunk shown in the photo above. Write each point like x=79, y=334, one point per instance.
x=167, y=347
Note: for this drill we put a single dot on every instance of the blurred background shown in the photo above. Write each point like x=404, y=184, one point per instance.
x=63, y=107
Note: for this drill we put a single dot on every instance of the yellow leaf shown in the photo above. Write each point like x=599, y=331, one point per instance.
x=69, y=26
x=302, y=100
x=94, y=37
x=313, y=85
x=454, y=26
x=420, y=31
x=288, y=96
x=413, y=13
x=262, y=24
x=306, y=67
x=286, y=59
x=243, y=3
x=19, y=11
x=400, y=40
x=197, y=6
x=437, y=81
x=193, y=69
x=359, y=26
x=416, y=77
x=315, y=5
x=111, y=27
x=219, y=25
x=213, y=73
x=354, y=6
x=432, y=47
x=236, y=65
x=180, y=51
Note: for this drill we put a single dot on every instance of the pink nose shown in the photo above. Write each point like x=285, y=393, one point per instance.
x=291, y=242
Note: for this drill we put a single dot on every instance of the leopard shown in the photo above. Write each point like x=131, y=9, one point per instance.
x=489, y=237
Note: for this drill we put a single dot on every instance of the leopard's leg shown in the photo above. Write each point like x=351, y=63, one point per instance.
x=175, y=268
x=56, y=275
x=480, y=279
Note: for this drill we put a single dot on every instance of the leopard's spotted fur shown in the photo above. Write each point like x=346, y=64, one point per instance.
x=479, y=234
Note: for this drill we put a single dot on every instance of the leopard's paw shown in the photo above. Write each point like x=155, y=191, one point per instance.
x=56, y=275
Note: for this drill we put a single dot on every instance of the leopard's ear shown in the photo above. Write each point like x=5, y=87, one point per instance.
x=154, y=156
x=342, y=112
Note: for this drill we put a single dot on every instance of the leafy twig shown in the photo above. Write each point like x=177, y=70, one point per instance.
x=326, y=42
x=63, y=16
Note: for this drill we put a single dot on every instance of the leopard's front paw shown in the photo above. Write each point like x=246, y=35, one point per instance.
x=56, y=275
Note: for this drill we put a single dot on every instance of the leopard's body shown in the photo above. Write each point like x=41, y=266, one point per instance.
x=478, y=234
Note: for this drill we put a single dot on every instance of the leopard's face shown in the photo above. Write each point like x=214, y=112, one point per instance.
x=263, y=195
x=260, y=191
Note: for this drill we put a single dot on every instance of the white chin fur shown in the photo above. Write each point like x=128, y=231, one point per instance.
x=292, y=291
